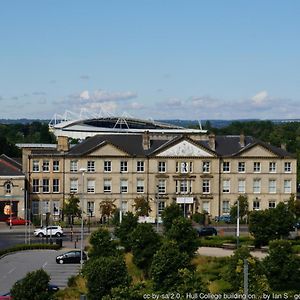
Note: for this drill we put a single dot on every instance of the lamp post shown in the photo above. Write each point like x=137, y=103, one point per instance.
x=157, y=206
x=25, y=214
x=238, y=224
x=82, y=170
x=121, y=200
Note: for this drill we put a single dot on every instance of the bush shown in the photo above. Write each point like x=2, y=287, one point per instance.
x=198, y=218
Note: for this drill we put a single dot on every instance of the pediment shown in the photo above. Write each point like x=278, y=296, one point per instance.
x=185, y=148
x=107, y=150
x=258, y=151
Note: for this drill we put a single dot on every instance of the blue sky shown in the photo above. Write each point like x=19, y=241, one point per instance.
x=160, y=59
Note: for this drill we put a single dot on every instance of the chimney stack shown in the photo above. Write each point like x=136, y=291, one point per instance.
x=212, y=141
x=283, y=146
x=62, y=143
x=242, y=140
x=146, y=140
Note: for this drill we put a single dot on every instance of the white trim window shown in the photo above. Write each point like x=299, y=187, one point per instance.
x=55, y=166
x=226, y=166
x=256, y=204
x=55, y=185
x=272, y=186
x=287, y=167
x=272, y=167
x=35, y=165
x=206, y=186
x=140, y=186
x=124, y=206
x=256, y=186
x=241, y=167
x=90, y=186
x=46, y=185
x=124, y=186
x=140, y=166
x=46, y=166
x=206, y=167
x=206, y=206
x=162, y=186
x=91, y=166
x=272, y=204
x=35, y=185
x=107, y=166
x=287, y=186
x=90, y=208
x=123, y=166
x=241, y=186
x=162, y=167
x=225, y=207
x=74, y=185
x=107, y=185
x=256, y=167
x=184, y=167
x=35, y=207
x=73, y=166
x=55, y=208
x=161, y=207
x=226, y=186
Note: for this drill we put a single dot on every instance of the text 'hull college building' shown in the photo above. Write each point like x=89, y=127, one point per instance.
x=200, y=172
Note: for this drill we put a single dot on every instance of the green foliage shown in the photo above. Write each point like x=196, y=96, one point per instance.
x=198, y=218
x=183, y=233
x=128, y=224
x=270, y=224
x=282, y=266
x=103, y=274
x=142, y=206
x=145, y=242
x=72, y=209
x=33, y=286
x=294, y=206
x=169, y=214
x=107, y=208
x=165, y=266
x=243, y=209
x=101, y=243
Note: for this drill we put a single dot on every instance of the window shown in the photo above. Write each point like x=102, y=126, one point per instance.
x=124, y=185
x=123, y=166
x=55, y=166
x=35, y=166
x=256, y=204
x=161, y=207
x=107, y=186
x=225, y=207
x=272, y=186
x=90, y=207
x=140, y=166
x=91, y=166
x=107, y=166
x=46, y=188
x=73, y=185
x=44, y=207
x=206, y=206
x=272, y=167
x=55, y=208
x=242, y=186
x=287, y=167
x=91, y=186
x=226, y=186
x=256, y=185
x=140, y=186
x=226, y=166
x=124, y=207
x=206, y=167
x=35, y=207
x=55, y=185
x=161, y=167
x=256, y=167
x=73, y=166
x=161, y=186
x=206, y=186
x=272, y=204
x=183, y=186
x=185, y=167
x=241, y=167
x=45, y=166
x=8, y=187
x=287, y=186
x=35, y=185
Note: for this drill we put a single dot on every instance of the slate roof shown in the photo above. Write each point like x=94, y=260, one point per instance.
x=9, y=166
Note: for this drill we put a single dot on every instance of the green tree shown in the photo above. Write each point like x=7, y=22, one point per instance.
x=33, y=286
x=103, y=274
x=128, y=224
x=183, y=233
x=142, y=206
x=145, y=242
x=282, y=266
x=72, y=209
x=133, y=292
x=107, y=208
x=243, y=209
x=294, y=206
x=169, y=214
x=165, y=267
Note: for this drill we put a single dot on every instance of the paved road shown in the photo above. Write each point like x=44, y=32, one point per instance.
x=15, y=266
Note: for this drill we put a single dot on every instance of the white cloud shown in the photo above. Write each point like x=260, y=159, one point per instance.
x=136, y=105
x=84, y=95
x=260, y=98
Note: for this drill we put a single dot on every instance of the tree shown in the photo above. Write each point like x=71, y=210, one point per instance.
x=123, y=230
x=142, y=206
x=103, y=274
x=243, y=209
x=145, y=242
x=282, y=266
x=169, y=214
x=294, y=206
x=101, y=243
x=72, y=209
x=165, y=265
x=183, y=233
x=133, y=292
x=33, y=286
x=107, y=208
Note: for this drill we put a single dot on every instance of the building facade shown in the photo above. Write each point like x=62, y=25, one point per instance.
x=199, y=172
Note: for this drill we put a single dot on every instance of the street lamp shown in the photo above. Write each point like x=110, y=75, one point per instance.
x=238, y=224
x=157, y=207
x=82, y=170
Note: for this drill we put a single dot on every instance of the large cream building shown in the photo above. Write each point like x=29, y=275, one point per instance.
x=201, y=172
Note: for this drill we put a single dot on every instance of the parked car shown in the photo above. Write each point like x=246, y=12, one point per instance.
x=223, y=218
x=71, y=257
x=17, y=221
x=47, y=231
x=207, y=231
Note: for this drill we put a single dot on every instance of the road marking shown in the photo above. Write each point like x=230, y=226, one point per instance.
x=11, y=270
x=45, y=264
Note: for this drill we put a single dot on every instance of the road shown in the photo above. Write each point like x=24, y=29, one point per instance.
x=14, y=267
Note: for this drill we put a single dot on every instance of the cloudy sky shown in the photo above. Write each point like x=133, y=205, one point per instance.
x=160, y=59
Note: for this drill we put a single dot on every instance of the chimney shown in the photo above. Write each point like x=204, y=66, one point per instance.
x=146, y=140
x=212, y=141
x=283, y=146
x=242, y=140
x=62, y=143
